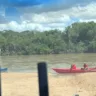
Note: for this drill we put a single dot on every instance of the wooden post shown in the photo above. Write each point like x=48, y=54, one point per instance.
x=43, y=80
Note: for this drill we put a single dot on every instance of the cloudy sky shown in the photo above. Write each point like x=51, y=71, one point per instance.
x=21, y=15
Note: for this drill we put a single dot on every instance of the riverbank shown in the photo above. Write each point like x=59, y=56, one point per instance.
x=26, y=84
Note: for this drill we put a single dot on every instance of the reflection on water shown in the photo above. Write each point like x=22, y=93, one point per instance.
x=29, y=63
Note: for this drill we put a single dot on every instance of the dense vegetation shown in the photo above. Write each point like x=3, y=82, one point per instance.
x=77, y=38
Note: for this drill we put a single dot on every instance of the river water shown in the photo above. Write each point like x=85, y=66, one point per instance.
x=29, y=63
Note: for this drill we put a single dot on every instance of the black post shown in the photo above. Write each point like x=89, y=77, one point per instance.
x=43, y=80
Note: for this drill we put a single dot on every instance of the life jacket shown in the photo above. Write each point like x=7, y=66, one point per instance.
x=73, y=66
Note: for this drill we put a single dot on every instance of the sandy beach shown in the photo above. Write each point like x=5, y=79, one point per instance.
x=26, y=84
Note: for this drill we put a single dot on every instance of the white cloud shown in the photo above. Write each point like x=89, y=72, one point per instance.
x=49, y=17
x=26, y=26
x=13, y=25
x=82, y=20
x=87, y=12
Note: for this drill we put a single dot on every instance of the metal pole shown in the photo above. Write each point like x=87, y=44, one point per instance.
x=43, y=80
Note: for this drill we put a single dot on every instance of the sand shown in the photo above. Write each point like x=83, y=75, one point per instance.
x=26, y=84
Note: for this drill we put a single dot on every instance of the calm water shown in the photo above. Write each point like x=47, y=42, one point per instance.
x=29, y=63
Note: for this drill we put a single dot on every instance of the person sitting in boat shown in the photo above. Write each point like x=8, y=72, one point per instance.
x=85, y=66
x=73, y=66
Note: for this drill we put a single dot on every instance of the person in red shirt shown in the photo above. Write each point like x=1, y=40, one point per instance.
x=73, y=66
x=85, y=66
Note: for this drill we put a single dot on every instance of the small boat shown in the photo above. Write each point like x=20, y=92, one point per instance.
x=77, y=70
x=3, y=69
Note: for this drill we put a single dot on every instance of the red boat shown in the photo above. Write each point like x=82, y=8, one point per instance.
x=77, y=70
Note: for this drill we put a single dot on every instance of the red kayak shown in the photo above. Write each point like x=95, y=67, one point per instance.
x=77, y=70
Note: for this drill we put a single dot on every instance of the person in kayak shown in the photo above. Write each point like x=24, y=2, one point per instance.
x=73, y=66
x=85, y=66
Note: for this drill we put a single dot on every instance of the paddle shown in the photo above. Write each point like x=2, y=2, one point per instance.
x=42, y=76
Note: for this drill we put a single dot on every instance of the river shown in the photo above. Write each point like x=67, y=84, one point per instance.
x=29, y=63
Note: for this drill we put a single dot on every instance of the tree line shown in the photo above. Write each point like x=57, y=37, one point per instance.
x=76, y=38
